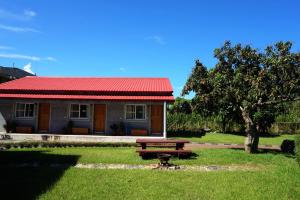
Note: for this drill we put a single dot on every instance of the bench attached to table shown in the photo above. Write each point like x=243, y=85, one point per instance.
x=178, y=146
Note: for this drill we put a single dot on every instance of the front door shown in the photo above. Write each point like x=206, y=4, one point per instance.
x=157, y=119
x=44, y=117
x=99, y=118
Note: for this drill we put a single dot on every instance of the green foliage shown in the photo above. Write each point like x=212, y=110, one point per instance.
x=289, y=112
x=246, y=84
x=288, y=146
x=264, y=120
x=181, y=105
x=10, y=126
x=179, y=122
x=285, y=128
x=118, y=129
x=52, y=144
x=68, y=128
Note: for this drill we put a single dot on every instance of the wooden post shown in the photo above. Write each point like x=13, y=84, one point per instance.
x=165, y=120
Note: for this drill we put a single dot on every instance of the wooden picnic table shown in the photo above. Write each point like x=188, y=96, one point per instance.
x=162, y=143
x=179, y=144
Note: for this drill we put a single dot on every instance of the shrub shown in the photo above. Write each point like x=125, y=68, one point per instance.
x=179, y=122
x=50, y=144
x=10, y=126
x=288, y=146
x=297, y=143
x=118, y=129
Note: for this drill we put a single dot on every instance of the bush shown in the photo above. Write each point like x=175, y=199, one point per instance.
x=179, y=122
x=47, y=144
x=10, y=126
x=297, y=143
x=118, y=129
x=288, y=146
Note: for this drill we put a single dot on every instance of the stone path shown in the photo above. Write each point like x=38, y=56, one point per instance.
x=172, y=167
x=199, y=168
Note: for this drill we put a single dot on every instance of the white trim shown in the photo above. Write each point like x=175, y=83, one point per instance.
x=79, y=118
x=165, y=120
x=25, y=103
x=135, y=119
x=79, y=138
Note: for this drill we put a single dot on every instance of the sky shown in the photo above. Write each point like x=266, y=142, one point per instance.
x=141, y=38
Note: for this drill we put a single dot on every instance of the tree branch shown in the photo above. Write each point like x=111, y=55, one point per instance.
x=260, y=103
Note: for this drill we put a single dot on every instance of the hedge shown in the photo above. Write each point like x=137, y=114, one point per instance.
x=53, y=144
x=179, y=122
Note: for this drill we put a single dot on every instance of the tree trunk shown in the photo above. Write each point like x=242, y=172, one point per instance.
x=252, y=137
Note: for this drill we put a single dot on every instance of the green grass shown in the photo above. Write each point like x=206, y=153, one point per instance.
x=127, y=155
x=236, y=139
x=278, y=177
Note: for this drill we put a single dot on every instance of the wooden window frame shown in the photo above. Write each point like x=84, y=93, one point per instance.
x=79, y=117
x=135, y=105
x=24, y=111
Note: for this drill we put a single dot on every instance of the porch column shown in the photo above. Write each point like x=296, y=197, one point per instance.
x=165, y=120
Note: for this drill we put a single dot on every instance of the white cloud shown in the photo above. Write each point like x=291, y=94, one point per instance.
x=6, y=48
x=25, y=16
x=28, y=69
x=158, y=39
x=18, y=29
x=29, y=13
x=122, y=69
x=51, y=59
x=26, y=57
x=19, y=56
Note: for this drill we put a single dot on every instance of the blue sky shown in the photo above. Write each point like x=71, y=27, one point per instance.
x=136, y=38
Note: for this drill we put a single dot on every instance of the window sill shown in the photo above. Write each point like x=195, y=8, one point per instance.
x=24, y=118
x=80, y=119
x=136, y=120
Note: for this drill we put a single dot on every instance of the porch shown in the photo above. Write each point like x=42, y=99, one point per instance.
x=105, y=119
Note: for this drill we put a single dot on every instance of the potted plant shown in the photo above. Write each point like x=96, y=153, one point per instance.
x=68, y=128
x=10, y=126
x=118, y=129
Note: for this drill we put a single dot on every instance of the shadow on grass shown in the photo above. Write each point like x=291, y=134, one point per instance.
x=192, y=156
x=28, y=182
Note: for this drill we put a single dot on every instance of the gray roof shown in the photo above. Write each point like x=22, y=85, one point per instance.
x=13, y=72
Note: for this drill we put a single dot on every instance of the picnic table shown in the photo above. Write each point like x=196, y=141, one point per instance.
x=178, y=146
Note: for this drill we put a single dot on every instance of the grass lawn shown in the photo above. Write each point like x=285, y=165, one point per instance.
x=278, y=177
x=212, y=137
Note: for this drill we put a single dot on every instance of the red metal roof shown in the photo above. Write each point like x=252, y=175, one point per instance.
x=90, y=84
x=87, y=97
x=88, y=88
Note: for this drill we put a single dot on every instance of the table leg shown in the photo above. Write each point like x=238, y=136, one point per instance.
x=143, y=145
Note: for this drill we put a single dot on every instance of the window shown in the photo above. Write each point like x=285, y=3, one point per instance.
x=24, y=110
x=135, y=112
x=79, y=111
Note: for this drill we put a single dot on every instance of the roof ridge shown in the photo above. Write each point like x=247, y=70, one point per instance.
x=108, y=77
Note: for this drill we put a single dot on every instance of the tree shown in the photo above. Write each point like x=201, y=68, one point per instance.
x=247, y=84
x=181, y=105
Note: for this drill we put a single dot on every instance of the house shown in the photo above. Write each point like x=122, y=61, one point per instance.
x=93, y=106
x=12, y=73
